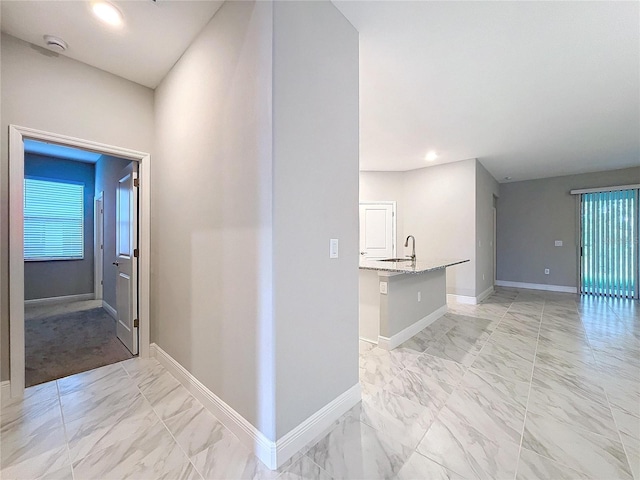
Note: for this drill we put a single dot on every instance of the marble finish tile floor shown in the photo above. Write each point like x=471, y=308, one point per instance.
x=527, y=385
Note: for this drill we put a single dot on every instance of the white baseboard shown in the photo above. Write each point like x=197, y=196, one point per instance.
x=110, y=310
x=272, y=454
x=468, y=300
x=64, y=299
x=5, y=390
x=368, y=340
x=537, y=286
x=401, y=337
x=464, y=299
x=294, y=441
x=487, y=293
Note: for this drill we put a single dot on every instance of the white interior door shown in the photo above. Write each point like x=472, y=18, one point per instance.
x=126, y=258
x=377, y=230
x=99, y=246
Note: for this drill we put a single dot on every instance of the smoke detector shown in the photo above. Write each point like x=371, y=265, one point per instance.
x=55, y=43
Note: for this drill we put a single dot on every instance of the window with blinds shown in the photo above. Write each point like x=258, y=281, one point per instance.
x=609, y=253
x=53, y=220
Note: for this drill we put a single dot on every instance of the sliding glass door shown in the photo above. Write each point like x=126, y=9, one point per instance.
x=609, y=243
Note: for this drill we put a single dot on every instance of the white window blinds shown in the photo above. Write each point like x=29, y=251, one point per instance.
x=53, y=220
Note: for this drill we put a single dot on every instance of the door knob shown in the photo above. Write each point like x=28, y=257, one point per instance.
x=116, y=264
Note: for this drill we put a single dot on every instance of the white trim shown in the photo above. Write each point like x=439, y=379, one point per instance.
x=5, y=390
x=463, y=299
x=272, y=454
x=98, y=241
x=81, y=297
x=368, y=340
x=404, y=335
x=468, y=300
x=537, y=286
x=487, y=293
x=110, y=310
x=17, y=135
x=605, y=189
x=294, y=441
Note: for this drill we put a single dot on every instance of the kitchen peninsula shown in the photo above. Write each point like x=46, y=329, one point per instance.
x=400, y=298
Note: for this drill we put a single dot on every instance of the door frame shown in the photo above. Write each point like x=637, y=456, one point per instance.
x=17, y=135
x=98, y=252
x=394, y=226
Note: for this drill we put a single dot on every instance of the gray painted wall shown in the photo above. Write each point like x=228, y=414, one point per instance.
x=533, y=214
x=315, y=184
x=211, y=202
x=62, y=277
x=487, y=188
x=107, y=172
x=57, y=94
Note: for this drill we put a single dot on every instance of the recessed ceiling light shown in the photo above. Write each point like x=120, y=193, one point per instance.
x=107, y=13
x=431, y=156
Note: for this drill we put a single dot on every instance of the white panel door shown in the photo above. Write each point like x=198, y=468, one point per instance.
x=126, y=262
x=377, y=230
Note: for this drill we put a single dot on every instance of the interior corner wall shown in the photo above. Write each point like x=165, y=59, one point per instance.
x=211, y=202
x=533, y=214
x=107, y=175
x=387, y=186
x=486, y=189
x=42, y=90
x=440, y=214
x=315, y=199
x=59, y=278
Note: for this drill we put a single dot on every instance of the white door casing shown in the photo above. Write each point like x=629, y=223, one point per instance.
x=98, y=250
x=377, y=229
x=126, y=263
x=17, y=135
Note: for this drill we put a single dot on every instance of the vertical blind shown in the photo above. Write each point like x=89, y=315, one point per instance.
x=53, y=220
x=609, y=222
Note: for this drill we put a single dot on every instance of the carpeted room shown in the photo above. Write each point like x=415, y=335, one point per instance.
x=70, y=279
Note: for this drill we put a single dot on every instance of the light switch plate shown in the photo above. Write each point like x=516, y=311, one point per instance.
x=383, y=288
x=333, y=248
x=558, y=243
x=546, y=271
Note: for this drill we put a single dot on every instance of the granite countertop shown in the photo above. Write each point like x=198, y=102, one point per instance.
x=419, y=266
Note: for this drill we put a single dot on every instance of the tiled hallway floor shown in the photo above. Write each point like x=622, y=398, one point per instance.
x=526, y=385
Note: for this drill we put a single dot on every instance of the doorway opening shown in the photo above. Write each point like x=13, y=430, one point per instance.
x=77, y=241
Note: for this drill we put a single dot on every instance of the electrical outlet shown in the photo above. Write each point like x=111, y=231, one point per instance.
x=546, y=271
x=383, y=288
x=558, y=243
x=419, y=296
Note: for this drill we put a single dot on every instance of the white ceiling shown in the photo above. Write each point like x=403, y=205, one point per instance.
x=153, y=38
x=531, y=89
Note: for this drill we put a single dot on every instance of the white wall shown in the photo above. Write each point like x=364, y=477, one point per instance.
x=315, y=199
x=448, y=208
x=487, y=188
x=211, y=230
x=387, y=186
x=440, y=214
x=42, y=90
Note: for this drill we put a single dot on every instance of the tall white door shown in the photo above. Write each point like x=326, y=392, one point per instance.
x=126, y=258
x=377, y=230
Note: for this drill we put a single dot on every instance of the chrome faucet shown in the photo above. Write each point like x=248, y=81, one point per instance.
x=413, y=250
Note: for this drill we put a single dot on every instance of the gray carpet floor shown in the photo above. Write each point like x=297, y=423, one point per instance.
x=68, y=343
